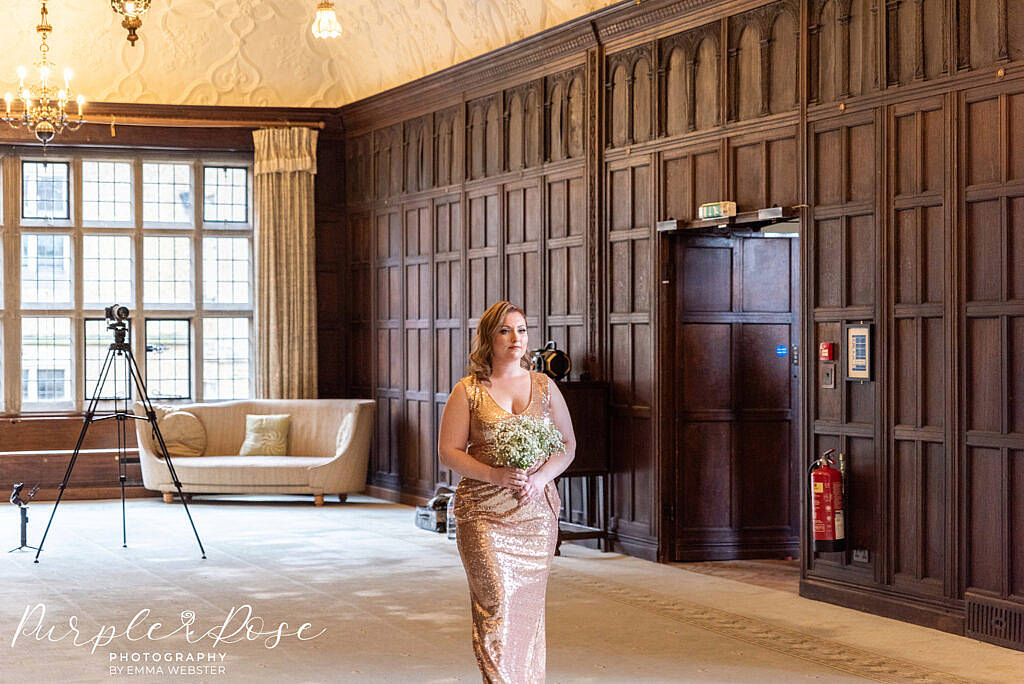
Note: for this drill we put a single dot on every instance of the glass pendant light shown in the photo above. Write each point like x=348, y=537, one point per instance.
x=325, y=24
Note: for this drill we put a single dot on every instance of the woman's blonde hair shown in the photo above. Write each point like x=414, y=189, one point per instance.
x=480, y=354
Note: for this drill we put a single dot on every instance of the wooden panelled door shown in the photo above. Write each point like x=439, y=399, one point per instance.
x=734, y=397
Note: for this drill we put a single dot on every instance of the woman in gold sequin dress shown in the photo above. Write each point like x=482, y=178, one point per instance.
x=506, y=518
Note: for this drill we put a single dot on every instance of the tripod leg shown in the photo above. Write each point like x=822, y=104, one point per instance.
x=78, y=446
x=133, y=369
x=122, y=474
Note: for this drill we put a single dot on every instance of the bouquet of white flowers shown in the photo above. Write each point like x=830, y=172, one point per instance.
x=522, y=440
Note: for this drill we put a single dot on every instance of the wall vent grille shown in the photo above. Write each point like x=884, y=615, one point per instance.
x=998, y=622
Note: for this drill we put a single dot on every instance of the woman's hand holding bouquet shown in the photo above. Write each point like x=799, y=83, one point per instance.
x=523, y=444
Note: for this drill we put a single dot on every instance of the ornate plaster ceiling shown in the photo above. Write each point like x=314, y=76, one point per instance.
x=261, y=52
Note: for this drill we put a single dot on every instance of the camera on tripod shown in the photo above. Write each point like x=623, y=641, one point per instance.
x=119, y=355
x=116, y=316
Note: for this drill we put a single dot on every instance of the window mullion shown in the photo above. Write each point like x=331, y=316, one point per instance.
x=12, y=289
x=12, y=338
x=77, y=287
x=138, y=341
x=198, y=183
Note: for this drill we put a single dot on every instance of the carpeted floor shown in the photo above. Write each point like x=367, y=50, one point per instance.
x=392, y=604
x=783, y=575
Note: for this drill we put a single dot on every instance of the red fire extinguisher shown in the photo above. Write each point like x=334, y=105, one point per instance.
x=827, y=505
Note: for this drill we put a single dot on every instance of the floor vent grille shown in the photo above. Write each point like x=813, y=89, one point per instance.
x=998, y=622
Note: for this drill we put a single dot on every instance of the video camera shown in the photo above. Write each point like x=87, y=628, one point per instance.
x=116, y=316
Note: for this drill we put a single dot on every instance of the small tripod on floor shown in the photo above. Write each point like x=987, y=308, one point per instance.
x=120, y=350
x=22, y=505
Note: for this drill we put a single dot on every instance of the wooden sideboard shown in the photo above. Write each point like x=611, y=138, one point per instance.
x=588, y=403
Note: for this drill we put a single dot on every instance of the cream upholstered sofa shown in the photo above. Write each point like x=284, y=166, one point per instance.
x=328, y=447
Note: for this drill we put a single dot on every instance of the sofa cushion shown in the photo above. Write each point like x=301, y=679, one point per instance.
x=183, y=434
x=266, y=435
x=248, y=470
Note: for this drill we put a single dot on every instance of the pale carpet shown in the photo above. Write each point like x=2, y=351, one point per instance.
x=393, y=602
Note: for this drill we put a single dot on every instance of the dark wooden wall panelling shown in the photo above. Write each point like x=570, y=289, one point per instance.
x=990, y=238
x=895, y=122
x=331, y=265
x=912, y=193
x=449, y=240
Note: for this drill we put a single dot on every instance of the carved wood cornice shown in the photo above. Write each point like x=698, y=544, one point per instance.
x=528, y=58
x=578, y=41
x=566, y=43
x=641, y=15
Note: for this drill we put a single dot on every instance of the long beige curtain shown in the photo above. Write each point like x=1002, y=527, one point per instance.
x=285, y=168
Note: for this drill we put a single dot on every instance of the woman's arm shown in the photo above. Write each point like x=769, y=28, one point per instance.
x=451, y=445
x=559, y=460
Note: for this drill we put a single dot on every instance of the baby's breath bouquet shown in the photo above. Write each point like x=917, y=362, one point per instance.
x=522, y=440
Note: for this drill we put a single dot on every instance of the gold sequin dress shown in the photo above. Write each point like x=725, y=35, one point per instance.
x=506, y=548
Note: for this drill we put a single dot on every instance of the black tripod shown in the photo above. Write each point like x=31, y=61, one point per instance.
x=120, y=349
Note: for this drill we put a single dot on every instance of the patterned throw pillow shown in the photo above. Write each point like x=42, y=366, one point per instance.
x=183, y=434
x=266, y=435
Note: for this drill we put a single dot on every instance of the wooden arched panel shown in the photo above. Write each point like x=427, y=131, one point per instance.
x=445, y=155
x=516, y=133
x=748, y=65
x=576, y=102
x=1015, y=29
x=619, y=107
x=984, y=31
x=828, y=64
x=706, y=85
x=443, y=152
x=675, y=93
x=785, y=45
x=863, y=75
x=417, y=154
x=493, y=138
x=642, y=102
x=531, y=132
x=556, y=102
x=396, y=160
x=413, y=135
x=934, y=38
x=357, y=171
x=477, y=130
x=919, y=57
x=388, y=161
x=381, y=165
x=908, y=47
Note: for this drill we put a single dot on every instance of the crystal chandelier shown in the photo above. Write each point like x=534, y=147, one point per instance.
x=131, y=10
x=325, y=24
x=44, y=112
